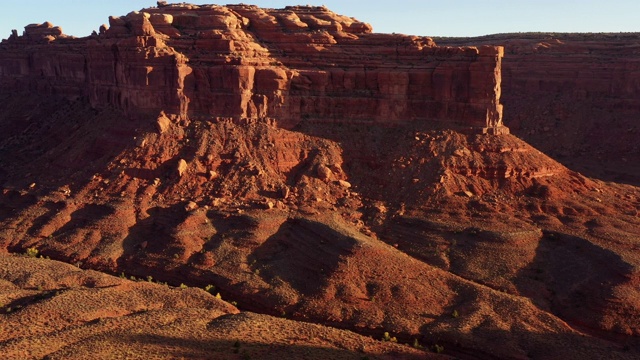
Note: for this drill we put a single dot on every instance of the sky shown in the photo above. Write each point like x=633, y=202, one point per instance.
x=412, y=17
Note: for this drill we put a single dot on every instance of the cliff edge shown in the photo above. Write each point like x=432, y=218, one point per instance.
x=294, y=65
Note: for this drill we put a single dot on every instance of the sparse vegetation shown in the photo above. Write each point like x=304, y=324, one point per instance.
x=438, y=349
x=32, y=252
x=387, y=337
x=455, y=314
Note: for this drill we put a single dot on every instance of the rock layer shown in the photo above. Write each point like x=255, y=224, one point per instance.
x=574, y=96
x=294, y=64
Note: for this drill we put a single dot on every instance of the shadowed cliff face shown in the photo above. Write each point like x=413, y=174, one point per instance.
x=309, y=169
x=573, y=96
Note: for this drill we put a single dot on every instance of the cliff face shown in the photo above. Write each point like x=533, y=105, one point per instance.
x=573, y=96
x=43, y=61
x=294, y=64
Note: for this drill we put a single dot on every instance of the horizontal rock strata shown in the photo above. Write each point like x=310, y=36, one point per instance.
x=294, y=64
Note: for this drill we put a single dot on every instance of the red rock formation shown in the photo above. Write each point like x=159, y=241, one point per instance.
x=44, y=61
x=574, y=96
x=294, y=64
x=433, y=235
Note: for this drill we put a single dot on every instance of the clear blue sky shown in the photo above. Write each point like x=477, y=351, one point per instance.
x=416, y=17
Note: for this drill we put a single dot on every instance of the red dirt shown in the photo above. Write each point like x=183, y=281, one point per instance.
x=55, y=310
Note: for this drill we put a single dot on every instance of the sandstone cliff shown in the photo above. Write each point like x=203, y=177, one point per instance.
x=294, y=64
x=574, y=96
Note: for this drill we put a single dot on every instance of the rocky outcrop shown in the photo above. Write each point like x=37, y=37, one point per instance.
x=43, y=61
x=573, y=96
x=297, y=64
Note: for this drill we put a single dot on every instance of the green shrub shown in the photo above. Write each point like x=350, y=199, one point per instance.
x=32, y=252
x=387, y=337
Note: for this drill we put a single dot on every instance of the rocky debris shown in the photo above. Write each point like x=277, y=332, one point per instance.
x=466, y=193
x=312, y=260
x=191, y=205
x=182, y=167
x=163, y=123
x=269, y=205
x=324, y=173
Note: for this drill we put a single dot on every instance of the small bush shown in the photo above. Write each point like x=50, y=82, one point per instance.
x=32, y=252
x=387, y=337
